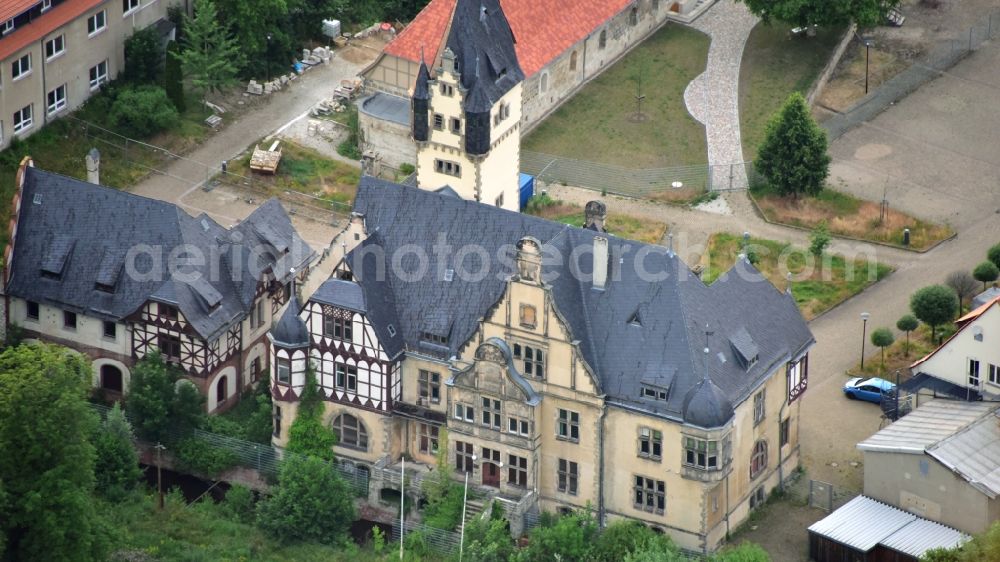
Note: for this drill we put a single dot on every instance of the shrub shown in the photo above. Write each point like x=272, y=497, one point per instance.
x=349, y=147
x=819, y=239
x=143, y=57
x=173, y=77
x=993, y=254
x=197, y=456
x=407, y=168
x=239, y=504
x=571, y=537
x=308, y=435
x=117, y=467
x=540, y=202
x=142, y=111
x=934, y=305
x=624, y=537
x=907, y=324
x=882, y=338
x=310, y=503
x=987, y=272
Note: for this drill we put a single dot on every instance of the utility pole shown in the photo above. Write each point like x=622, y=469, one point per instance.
x=402, y=501
x=159, y=479
x=465, y=499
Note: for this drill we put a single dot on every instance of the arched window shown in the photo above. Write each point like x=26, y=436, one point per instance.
x=545, y=82
x=572, y=60
x=350, y=432
x=633, y=16
x=221, y=391
x=602, y=41
x=111, y=378
x=758, y=462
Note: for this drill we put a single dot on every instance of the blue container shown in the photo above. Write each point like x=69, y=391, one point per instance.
x=527, y=186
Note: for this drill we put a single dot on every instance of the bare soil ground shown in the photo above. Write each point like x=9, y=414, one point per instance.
x=928, y=23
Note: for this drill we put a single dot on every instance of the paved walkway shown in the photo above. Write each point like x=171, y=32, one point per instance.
x=713, y=97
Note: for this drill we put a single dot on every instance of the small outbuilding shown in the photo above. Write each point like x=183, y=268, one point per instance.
x=866, y=530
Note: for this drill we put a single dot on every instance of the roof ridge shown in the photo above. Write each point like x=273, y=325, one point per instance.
x=967, y=426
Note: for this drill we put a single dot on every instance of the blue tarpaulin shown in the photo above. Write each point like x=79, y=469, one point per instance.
x=527, y=184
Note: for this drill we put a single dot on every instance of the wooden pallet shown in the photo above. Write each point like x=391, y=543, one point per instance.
x=266, y=161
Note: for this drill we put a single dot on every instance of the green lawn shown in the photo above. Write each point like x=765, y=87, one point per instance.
x=816, y=286
x=594, y=125
x=775, y=64
x=304, y=170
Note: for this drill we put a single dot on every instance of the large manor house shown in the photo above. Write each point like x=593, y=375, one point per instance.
x=555, y=367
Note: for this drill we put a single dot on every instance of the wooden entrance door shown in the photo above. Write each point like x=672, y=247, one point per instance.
x=491, y=475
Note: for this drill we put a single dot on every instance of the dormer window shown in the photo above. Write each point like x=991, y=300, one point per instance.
x=448, y=89
x=434, y=338
x=635, y=319
x=654, y=393
x=745, y=348
x=104, y=288
x=167, y=311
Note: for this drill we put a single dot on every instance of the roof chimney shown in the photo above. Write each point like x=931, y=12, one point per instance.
x=94, y=166
x=600, y=262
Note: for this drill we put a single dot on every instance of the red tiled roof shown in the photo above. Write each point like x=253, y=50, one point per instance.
x=11, y=8
x=543, y=29
x=48, y=22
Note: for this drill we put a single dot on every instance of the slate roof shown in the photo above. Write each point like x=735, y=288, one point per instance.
x=87, y=231
x=925, y=426
x=544, y=29
x=483, y=45
x=291, y=330
x=675, y=310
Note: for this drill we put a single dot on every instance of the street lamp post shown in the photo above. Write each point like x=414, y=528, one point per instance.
x=864, y=329
x=868, y=46
x=465, y=499
x=267, y=60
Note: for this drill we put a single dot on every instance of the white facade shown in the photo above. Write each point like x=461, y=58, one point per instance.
x=971, y=358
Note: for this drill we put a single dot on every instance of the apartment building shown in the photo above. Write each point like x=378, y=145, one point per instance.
x=54, y=54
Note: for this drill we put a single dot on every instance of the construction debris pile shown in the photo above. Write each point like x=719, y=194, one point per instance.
x=342, y=97
x=310, y=59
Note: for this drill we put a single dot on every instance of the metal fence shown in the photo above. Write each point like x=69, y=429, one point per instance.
x=438, y=540
x=824, y=495
x=677, y=182
x=938, y=60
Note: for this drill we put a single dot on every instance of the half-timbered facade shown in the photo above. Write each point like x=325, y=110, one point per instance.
x=117, y=276
x=571, y=369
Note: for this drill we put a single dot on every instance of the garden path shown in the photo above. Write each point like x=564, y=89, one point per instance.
x=713, y=97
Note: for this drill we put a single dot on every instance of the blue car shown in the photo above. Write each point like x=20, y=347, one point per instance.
x=872, y=390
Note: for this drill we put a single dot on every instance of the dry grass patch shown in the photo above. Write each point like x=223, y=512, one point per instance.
x=817, y=285
x=623, y=226
x=896, y=356
x=846, y=215
x=847, y=86
x=306, y=171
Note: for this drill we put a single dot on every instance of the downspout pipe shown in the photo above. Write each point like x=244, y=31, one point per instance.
x=600, y=467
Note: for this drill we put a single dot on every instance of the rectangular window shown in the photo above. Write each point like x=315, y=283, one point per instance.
x=569, y=425
x=797, y=378
x=465, y=412
x=429, y=386
x=170, y=347
x=650, y=495
x=32, y=310
x=653, y=393
x=650, y=443
x=428, y=436
x=568, y=477
x=257, y=315
x=491, y=413
x=347, y=377
x=517, y=426
x=447, y=90
x=69, y=320
x=338, y=328
x=783, y=433
x=129, y=5
x=110, y=330
x=284, y=369
x=456, y=125
x=255, y=369
x=447, y=167
x=167, y=311
x=758, y=407
x=54, y=47
x=994, y=373
x=439, y=121
x=96, y=23
x=46, y=5
x=56, y=99
x=701, y=454
x=7, y=26
x=532, y=360
x=463, y=457
x=973, y=370
x=21, y=67
x=529, y=316
x=23, y=119
x=517, y=471
x=277, y=421
x=98, y=74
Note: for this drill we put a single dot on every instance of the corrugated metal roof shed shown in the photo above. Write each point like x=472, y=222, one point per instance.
x=921, y=535
x=925, y=426
x=862, y=523
x=974, y=454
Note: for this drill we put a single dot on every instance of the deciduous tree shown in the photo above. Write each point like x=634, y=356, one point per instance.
x=569, y=537
x=173, y=77
x=793, y=155
x=866, y=13
x=158, y=407
x=882, y=338
x=907, y=324
x=964, y=285
x=46, y=458
x=987, y=272
x=993, y=254
x=310, y=503
x=934, y=305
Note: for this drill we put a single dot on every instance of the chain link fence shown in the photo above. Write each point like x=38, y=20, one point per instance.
x=935, y=63
x=671, y=183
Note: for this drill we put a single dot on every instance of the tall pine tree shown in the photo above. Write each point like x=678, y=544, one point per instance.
x=211, y=57
x=793, y=155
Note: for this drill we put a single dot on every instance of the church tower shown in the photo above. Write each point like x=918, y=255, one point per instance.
x=466, y=118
